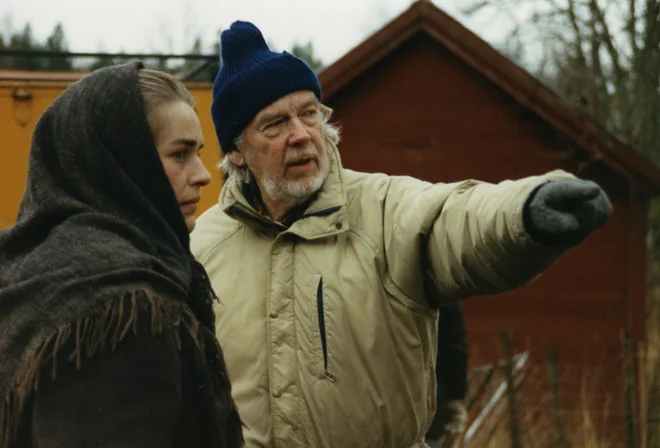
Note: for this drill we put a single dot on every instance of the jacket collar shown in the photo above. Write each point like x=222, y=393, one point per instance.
x=324, y=215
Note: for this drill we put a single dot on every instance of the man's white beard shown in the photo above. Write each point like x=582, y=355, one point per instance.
x=295, y=192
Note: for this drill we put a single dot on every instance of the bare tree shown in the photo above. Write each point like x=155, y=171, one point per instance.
x=602, y=56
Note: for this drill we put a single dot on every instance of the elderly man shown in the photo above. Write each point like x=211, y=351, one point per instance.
x=330, y=279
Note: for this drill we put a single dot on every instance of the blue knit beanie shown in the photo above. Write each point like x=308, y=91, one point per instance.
x=251, y=78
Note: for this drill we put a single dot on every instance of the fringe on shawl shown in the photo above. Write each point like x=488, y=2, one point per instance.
x=99, y=331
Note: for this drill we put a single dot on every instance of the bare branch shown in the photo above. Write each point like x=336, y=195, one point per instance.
x=477, y=7
x=603, y=113
x=557, y=35
x=632, y=33
x=619, y=75
x=556, y=7
x=647, y=70
x=595, y=66
x=651, y=38
x=578, y=35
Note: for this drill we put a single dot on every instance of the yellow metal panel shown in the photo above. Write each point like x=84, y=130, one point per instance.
x=211, y=153
x=18, y=117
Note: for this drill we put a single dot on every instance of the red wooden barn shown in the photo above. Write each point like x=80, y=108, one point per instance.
x=426, y=97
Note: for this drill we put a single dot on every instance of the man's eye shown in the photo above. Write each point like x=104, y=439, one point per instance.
x=274, y=124
x=310, y=113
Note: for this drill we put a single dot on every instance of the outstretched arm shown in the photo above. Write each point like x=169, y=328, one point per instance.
x=450, y=241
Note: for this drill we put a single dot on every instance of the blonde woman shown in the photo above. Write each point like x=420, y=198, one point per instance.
x=106, y=326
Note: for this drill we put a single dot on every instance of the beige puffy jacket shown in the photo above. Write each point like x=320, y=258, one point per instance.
x=327, y=328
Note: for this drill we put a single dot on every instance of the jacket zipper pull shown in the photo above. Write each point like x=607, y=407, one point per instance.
x=329, y=376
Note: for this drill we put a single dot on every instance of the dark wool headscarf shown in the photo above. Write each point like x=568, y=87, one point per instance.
x=99, y=234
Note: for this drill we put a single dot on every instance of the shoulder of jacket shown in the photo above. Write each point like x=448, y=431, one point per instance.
x=356, y=182
x=211, y=228
x=377, y=185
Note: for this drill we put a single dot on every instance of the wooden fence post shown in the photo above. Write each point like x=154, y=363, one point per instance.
x=643, y=411
x=629, y=385
x=516, y=431
x=560, y=440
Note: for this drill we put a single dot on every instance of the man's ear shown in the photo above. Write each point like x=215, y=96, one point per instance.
x=236, y=157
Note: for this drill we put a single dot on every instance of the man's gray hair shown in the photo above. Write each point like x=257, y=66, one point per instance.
x=331, y=135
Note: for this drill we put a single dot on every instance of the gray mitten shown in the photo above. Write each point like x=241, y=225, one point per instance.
x=564, y=212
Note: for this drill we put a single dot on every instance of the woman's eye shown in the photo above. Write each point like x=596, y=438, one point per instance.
x=180, y=155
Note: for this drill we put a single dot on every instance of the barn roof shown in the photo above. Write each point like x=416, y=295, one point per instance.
x=423, y=16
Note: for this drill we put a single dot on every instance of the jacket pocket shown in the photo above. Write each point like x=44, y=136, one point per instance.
x=322, y=331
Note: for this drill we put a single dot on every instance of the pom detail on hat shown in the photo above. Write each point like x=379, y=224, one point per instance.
x=241, y=38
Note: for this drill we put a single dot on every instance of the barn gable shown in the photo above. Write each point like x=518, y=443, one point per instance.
x=426, y=97
x=422, y=26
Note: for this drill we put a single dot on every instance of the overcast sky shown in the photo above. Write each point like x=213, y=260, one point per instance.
x=333, y=26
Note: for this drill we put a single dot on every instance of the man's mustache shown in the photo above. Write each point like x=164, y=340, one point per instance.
x=297, y=154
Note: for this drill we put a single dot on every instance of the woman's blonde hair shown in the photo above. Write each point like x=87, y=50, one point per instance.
x=158, y=88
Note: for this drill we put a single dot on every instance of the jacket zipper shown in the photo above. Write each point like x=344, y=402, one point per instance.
x=324, y=342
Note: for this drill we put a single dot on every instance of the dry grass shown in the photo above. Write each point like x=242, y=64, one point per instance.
x=590, y=424
x=592, y=401
x=591, y=410
x=650, y=375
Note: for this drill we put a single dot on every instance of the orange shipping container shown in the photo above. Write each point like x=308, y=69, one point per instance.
x=23, y=98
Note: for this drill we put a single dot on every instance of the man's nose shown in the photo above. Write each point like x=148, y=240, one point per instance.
x=299, y=133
